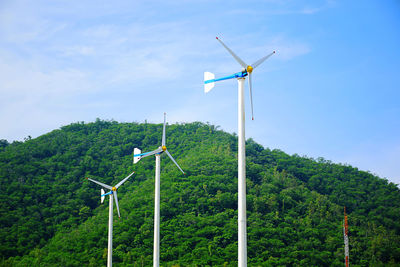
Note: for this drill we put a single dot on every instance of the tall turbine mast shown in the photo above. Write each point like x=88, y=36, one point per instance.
x=112, y=194
x=209, y=81
x=137, y=155
x=346, y=239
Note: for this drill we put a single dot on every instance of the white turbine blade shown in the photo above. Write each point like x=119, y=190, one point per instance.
x=261, y=60
x=169, y=155
x=116, y=202
x=241, y=62
x=102, y=195
x=163, y=133
x=251, y=97
x=123, y=181
x=210, y=85
x=103, y=185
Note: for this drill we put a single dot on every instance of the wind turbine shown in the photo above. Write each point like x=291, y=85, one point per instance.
x=137, y=155
x=112, y=193
x=209, y=82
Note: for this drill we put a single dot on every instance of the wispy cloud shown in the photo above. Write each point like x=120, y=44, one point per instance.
x=287, y=7
x=77, y=50
x=63, y=61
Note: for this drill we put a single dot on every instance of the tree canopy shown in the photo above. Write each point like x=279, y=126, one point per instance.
x=51, y=216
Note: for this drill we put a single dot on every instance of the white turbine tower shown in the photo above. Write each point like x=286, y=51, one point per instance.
x=209, y=81
x=112, y=193
x=137, y=155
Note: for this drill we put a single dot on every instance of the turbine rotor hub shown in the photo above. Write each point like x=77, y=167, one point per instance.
x=164, y=148
x=114, y=188
x=249, y=69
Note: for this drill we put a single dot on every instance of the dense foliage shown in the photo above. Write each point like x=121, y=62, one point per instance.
x=51, y=216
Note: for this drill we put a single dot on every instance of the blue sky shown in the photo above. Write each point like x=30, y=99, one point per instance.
x=331, y=90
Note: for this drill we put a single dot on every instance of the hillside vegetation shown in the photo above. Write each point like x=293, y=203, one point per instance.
x=51, y=216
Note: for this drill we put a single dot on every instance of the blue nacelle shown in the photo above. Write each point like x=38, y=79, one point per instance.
x=241, y=74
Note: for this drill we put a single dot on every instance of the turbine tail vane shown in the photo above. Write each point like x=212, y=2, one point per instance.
x=102, y=195
x=261, y=60
x=173, y=160
x=238, y=59
x=209, y=81
x=136, y=155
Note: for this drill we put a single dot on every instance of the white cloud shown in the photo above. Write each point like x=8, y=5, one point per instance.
x=102, y=31
x=77, y=50
x=57, y=79
x=22, y=23
x=26, y=79
x=310, y=10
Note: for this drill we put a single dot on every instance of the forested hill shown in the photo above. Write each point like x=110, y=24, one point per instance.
x=52, y=216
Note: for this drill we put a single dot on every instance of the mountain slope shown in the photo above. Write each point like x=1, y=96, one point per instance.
x=52, y=216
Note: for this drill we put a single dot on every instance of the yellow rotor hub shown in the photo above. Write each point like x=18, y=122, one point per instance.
x=164, y=148
x=114, y=188
x=249, y=69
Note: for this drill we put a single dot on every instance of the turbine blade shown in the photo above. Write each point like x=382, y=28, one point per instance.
x=163, y=133
x=169, y=155
x=123, y=181
x=103, y=185
x=261, y=60
x=251, y=97
x=116, y=202
x=238, y=59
